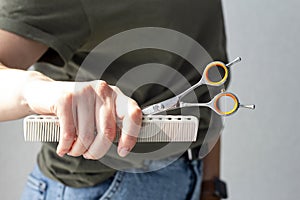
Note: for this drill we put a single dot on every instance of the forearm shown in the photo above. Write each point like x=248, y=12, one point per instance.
x=211, y=167
x=211, y=170
x=13, y=104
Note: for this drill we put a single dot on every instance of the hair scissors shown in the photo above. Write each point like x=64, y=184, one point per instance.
x=214, y=104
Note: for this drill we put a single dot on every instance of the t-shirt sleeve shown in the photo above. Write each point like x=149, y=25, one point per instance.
x=60, y=24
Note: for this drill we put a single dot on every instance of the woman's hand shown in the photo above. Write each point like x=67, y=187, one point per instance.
x=82, y=109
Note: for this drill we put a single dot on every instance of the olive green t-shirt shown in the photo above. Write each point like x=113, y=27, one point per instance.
x=72, y=28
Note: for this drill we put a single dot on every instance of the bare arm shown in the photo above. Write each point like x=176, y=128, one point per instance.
x=211, y=165
x=211, y=169
x=20, y=53
x=13, y=105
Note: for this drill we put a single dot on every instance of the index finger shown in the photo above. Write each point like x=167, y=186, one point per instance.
x=68, y=130
x=131, y=123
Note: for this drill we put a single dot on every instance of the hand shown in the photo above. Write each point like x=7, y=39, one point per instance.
x=83, y=107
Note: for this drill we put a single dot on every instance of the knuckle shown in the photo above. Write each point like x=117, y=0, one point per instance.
x=115, y=89
x=62, y=103
x=87, y=90
x=67, y=98
x=87, y=139
x=102, y=85
x=67, y=136
x=136, y=114
x=109, y=133
x=104, y=88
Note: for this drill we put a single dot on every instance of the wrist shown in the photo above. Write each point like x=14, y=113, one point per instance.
x=38, y=93
x=213, y=189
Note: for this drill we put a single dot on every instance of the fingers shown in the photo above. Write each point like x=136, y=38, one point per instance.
x=85, y=102
x=132, y=119
x=106, y=127
x=96, y=104
x=105, y=122
x=66, y=120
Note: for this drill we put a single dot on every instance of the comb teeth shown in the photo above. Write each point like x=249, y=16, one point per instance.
x=156, y=128
x=41, y=128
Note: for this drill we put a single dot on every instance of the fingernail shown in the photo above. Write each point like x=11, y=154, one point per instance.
x=87, y=156
x=123, y=151
x=60, y=154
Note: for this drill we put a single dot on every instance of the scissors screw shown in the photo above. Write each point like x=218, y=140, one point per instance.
x=161, y=106
x=158, y=107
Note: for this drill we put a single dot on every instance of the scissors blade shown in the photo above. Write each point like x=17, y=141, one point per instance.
x=165, y=105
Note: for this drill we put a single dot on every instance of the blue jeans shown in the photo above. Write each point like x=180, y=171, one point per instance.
x=180, y=180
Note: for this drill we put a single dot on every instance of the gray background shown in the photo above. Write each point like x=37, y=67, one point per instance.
x=260, y=158
x=259, y=148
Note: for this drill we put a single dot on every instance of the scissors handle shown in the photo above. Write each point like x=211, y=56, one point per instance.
x=215, y=104
x=214, y=65
x=209, y=67
x=236, y=60
x=205, y=79
x=174, y=102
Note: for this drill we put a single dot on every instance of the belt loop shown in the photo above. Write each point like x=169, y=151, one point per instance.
x=190, y=154
x=42, y=186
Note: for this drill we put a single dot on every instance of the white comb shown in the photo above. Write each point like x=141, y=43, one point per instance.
x=155, y=128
